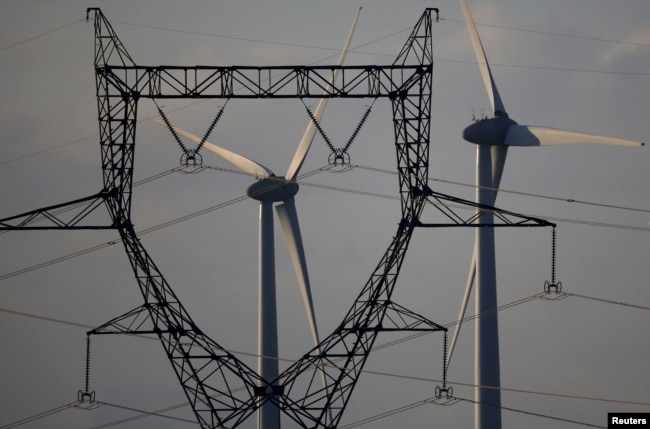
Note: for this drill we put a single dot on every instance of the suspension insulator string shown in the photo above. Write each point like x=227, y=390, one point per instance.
x=86, y=395
x=191, y=157
x=211, y=127
x=358, y=128
x=171, y=129
x=444, y=361
x=87, y=363
x=553, y=285
x=320, y=129
x=339, y=156
x=447, y=391
x=553, y=255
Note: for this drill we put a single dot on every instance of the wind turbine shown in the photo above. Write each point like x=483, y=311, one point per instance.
x=493, y=137
x=270, y=189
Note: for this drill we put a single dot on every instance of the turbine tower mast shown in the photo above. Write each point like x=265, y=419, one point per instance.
x=270, y=189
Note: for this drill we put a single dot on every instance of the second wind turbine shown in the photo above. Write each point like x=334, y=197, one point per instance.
x=493, y=137
x=270, y=189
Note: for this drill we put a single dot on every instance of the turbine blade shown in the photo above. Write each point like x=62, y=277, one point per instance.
x=463, y=306
x=288, y=217
x=499, y=154
x=527, y=135
x=246, y=165
x=484, y=66
x=310, y=132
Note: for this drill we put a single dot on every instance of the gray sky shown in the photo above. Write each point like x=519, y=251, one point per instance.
x=579, y=64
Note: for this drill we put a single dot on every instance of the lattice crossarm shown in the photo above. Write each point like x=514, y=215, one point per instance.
x=399, y=318
x=65, y=216
x=502, y=218
x=108, y=47
x=419, y=44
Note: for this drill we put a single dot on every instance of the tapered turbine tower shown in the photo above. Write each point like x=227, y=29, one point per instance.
x=270, y=189
x=492, y=138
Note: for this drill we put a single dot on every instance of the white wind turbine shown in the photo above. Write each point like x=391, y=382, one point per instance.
x=270, y=189
x=493, y=137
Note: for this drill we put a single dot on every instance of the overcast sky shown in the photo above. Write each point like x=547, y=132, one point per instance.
x=575, y=64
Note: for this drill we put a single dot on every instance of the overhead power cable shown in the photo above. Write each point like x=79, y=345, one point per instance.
x=147, y=413
x=392, y=343
x=39, y=416
x=57, y=260
x=385, y=414
x=540, y=295
x=550, y=68
x=434, y=400
x=95, y=404
x=144, y=414
x=391, y=172
x=458, y=206
x=74, y=206
x=242, y=198
x=508, y=191
x=7, y=161
x=355, y=50
x=37, y=36
x=357, y=423
x=46, y=319
x=549, y=33
x=464, y=320
x=370, y=419
x=607, y=301
x=140, y=233
x=113, y=242
x=270, y=42
x=531, y=413
x=247, y=39
x=82, y=139
x=436, y=59
x=431, y=179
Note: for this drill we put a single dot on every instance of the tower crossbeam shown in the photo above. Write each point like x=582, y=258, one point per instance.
x=66, y=216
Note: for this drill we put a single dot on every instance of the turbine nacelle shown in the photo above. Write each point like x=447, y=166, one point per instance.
x=492, y=131
x=503, y=131
x=273, y=189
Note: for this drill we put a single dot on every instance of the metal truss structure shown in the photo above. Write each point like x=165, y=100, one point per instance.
x=222, y=390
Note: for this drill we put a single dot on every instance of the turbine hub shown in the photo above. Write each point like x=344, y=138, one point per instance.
x=491, y=131
x=273, y=189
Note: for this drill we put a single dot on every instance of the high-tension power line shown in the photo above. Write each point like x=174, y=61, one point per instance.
x=391, y=197
x=500, y=308
x=37, y=36
x=354, y=50
x=357, y=50
x=159, y=412
x=315, y=185
x=509, y=191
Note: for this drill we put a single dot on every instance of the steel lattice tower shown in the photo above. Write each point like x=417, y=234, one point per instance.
x=222, y=390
